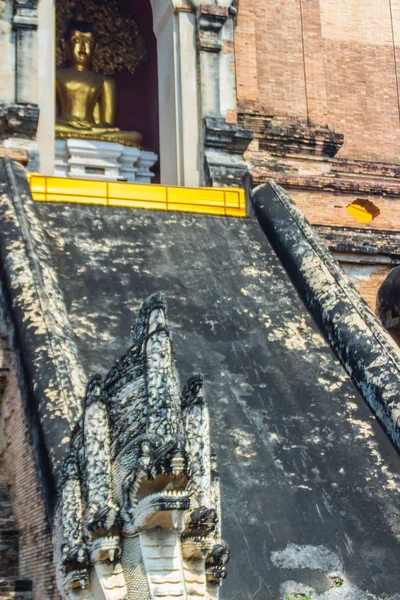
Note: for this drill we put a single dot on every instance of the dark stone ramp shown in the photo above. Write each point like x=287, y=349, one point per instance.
x=310, y=481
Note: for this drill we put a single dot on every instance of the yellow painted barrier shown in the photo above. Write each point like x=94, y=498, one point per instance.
x=214, y=201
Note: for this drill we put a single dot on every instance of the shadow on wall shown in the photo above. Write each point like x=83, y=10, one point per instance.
x=137, y=103
x=388, y=304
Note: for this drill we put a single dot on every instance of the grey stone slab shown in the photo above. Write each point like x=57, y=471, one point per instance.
x=310, y=481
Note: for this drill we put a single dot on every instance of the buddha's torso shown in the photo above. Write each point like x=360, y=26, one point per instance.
x=78, y=92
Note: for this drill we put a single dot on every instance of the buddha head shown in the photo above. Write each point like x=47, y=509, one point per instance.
x=79, y=44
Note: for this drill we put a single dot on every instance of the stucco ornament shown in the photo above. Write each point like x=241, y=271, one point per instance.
x=139, y=506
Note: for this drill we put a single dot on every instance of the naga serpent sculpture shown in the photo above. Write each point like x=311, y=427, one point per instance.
x=138, y=515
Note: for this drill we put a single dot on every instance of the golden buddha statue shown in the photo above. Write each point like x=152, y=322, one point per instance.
x=86, y=99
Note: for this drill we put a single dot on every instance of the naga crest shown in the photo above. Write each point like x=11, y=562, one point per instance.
x=138, y=515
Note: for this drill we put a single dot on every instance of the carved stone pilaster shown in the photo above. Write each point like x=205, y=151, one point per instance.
x=224, y=141
x=211, y=19
x=25, y=24
x=225, y=144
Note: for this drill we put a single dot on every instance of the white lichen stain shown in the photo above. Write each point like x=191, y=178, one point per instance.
x=245, y=442
x=224, y=401
x=295, y=556
x=257, y=273
x=267, y=320
x=294, y=335
x=318, y=558
x=364, y=430
x=329, y=385
x=212, y=324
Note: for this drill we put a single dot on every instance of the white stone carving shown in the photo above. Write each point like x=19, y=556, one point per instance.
x=139, y=511
x=107, y=161
x=61, y=159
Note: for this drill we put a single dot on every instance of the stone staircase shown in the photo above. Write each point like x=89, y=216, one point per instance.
x=11, y=588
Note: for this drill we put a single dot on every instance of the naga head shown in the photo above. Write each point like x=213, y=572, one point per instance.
x=140, y=473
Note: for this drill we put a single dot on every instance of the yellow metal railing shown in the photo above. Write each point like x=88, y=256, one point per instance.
x=214, y=201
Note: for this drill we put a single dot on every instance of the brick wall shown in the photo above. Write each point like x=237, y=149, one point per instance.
x=302, y=65
x=35, y=548
x=326, y=208
x=327, y=62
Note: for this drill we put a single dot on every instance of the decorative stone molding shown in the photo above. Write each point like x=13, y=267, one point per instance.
x=295, y=153
x=139, y=503
x=19, y=120
x=282, y=138
x=92, y=159
x=225, y=144
x=226, y=3
x=211, y=19
x=354, y=186
x=26, y=15
x=380, y=247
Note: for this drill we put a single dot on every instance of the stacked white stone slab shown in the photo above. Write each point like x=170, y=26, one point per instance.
x=91, y=159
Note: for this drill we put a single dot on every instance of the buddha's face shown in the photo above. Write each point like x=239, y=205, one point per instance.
x=79, y=49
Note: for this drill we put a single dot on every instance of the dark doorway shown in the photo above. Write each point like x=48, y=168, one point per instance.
x=137, y=104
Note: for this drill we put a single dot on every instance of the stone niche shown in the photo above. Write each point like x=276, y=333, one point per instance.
x=126, y=49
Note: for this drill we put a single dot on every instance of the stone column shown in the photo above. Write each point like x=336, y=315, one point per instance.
x=175, y=29
x=25, y=23
x=46, y=91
